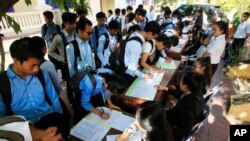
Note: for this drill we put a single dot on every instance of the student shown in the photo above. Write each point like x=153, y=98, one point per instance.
x=133, y=50
x=81, y=13
x=56, y=52
x=242, y=32
x=123, y=19
x=29, y=97
x=49, y=29
x=151, y=14
x=202, y=66
x=85, y=59
x=109, y=15
x=117, y=16
x=99, y=30
x=188, y=111
x=106, y=45
x=217, y=44
x=51, y=127
x=199, y=18
x=107, y=84
x=129, y=9
x=139, y=17
x=150, y=124
x=47, y=65
x=166, y=18
x=151, y=54
x=204, y=41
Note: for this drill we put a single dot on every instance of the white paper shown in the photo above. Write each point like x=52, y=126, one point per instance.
x=137, y=136
x=111, y=137
x=145, y=88
x=87, y=129
x=116, y=120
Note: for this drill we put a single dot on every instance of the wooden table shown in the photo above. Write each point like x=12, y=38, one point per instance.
x=130, y=104
x=177, y=54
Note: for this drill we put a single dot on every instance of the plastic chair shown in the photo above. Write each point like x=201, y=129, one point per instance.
x=213, y=92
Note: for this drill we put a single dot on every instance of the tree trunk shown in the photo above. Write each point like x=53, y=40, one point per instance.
x=2, y=55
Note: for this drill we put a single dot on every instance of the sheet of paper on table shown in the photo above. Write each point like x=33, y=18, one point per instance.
x=117, y=120
x=145, y=88
x=163, y=64
x=135, y=137
x=86, y=130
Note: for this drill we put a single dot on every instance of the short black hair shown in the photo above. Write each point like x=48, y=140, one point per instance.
x=167, y=12
x=110, y=11
x=81, y=11
x=129, y=8
x=174, y=40
x=116, y=84
x=81, y=24
x=165, y=39
x=100, y=15
x=117, y=11
x=113, y=24
x=246, y=13
x=68, y=17
x=140, y=6
x=39, y=42
x=23, y=49
x=140, y=12
x=153, y=27
x=131, y=16
x=48, y=14
x=123, y=11
x=54, y=120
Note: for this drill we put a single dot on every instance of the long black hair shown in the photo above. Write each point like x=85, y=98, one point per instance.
x=151, y=117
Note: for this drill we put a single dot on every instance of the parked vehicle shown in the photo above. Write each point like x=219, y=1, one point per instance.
x=214, y=12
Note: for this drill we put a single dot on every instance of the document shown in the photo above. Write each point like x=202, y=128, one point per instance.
x=137, y=136
x=145, y=88
x=116, y=120
x=88, y=130
x=162, y=64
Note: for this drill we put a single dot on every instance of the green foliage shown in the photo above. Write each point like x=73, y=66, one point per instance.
x=237, y=55
x=227, y=5
x=75, y=4
x=166, y=2
x=28, y=2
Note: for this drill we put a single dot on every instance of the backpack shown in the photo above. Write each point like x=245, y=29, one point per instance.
x=11, y=135
x=45, y=28
x=77, y=78
x=97, y=34
x=166, y=26
x=116, y=58
x=6, y=93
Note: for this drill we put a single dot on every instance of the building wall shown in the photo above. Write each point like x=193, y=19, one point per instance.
x=108, y=4
x=21, y=6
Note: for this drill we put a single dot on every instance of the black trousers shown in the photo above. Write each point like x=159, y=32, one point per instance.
x=79, y=111
x=214, y=68
x=238, y=43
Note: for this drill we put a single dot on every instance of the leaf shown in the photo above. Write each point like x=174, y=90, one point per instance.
x=28, y=2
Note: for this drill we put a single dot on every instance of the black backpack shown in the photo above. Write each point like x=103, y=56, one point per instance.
x=45, y=28
x=11, y=135
x=116, y=58
x=97, y=34
x=5, y=90
x=77, y=78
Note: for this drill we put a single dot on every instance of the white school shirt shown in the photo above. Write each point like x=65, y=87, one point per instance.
x=242, y=30
x=133, y=51
x=19, y=127
x=131, y=24
x=201, y=51
x=148, y=48
x=151, y=16
x=216, y=48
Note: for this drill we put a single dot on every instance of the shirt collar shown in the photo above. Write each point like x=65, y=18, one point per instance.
x=80, y=41
x=10, y=72
x=140, y=36
x=222, y=36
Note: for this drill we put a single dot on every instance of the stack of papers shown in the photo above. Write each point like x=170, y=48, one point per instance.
x=164, y=65
x=92, y=124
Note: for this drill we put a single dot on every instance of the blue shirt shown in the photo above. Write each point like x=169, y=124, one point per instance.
x=101, y=30
x=28, y=97
x=87, y=89
x=86, y=60
x=51, y=29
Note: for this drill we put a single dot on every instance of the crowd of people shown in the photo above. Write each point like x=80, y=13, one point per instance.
x=112, y=54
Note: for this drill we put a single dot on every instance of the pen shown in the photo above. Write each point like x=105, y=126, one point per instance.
x=102, y=110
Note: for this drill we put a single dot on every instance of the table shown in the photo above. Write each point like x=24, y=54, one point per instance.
x=176, y=54
x=99, y=129
x=131, y=103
